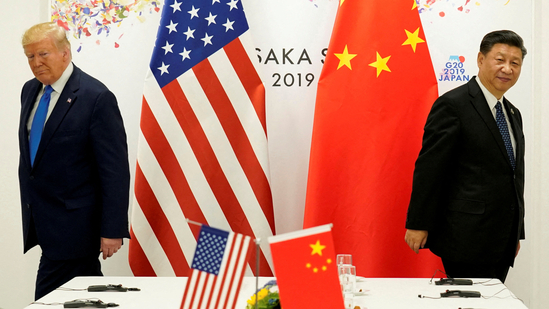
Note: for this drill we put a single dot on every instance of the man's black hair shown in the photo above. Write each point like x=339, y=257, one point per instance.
x=502, y=37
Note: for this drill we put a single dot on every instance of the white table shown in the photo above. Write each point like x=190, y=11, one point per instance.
x=156, y=292
x=403, y=293
x=378, y=293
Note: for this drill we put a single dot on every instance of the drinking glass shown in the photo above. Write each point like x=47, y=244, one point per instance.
x=349, y=300
x=344, y=259
x=347, y=278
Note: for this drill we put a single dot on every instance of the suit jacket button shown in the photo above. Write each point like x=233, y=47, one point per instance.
x=31, y=177
x=28, y=206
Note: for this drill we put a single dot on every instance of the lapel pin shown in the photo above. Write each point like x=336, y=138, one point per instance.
x=69, y=100
x=512, y=111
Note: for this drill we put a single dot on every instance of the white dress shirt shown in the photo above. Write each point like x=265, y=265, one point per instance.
x=57, y=89
x=492, y=101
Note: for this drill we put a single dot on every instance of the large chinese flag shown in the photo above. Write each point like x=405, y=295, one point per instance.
x=375, y=91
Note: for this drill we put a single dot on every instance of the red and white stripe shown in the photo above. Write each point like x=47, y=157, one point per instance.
x=202, y=155
x=209, y=291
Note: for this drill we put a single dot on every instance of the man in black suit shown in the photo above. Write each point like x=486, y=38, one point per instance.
x=467, y=203
x=74, y=175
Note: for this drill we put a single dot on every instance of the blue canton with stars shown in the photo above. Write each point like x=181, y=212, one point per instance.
x=209, y=250
x=191, y=31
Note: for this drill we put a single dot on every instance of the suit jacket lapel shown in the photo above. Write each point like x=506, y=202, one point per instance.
x=66, y=100
x=516, y=124
x=479, y=102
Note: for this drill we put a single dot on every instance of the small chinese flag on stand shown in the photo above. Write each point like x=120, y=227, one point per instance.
x=306, y=270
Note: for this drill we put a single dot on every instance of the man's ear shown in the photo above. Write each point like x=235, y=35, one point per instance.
x=66, y=54
x=480, y=59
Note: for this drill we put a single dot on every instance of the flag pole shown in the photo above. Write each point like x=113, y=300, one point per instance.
x=257, y=241
x=193, y=222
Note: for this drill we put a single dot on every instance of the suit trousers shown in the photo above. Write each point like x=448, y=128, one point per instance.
x=53, y=274
x=497, y=270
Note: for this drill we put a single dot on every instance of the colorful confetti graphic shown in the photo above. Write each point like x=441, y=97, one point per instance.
x=323, y=2
x=86, y=18
x=464, y=6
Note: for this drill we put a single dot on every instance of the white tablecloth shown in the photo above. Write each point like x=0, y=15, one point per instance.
x=403, y=293
x=156, y=292
x=377, y=293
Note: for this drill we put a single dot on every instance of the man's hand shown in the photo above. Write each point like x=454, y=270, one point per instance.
x=518, y=248
x=416, y=239
x=109, y=246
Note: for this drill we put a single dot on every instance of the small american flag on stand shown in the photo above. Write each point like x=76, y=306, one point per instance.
x=202, y=149
x=217, y=269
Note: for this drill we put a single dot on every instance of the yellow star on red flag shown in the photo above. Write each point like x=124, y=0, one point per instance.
x=317, y=248
x=380, y=64
x=316, y=269
x=413, y=39
x=345, y=58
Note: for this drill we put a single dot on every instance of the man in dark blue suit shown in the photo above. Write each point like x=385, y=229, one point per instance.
x=467, y=203
x=74, y=178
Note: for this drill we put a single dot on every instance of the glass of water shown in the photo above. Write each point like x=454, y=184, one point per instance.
x=347, y=278
x=344, y=259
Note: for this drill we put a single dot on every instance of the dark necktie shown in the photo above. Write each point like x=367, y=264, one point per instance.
x=38, y=122
x=502, y=125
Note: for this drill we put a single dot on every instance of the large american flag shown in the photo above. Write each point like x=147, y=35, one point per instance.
x=202, y=149
x=217, y=270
